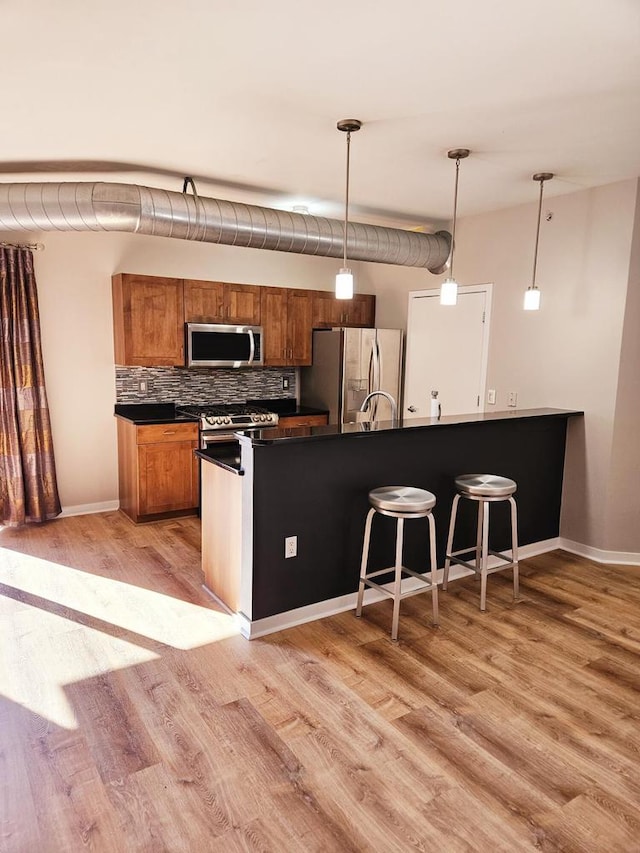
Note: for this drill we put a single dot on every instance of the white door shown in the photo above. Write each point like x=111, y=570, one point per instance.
x=447, y=348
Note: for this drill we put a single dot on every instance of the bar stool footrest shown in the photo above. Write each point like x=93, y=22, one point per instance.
x=490, y=570
x=428, y=584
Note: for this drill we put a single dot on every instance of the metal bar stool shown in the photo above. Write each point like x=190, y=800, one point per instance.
x=400, y=502
x=485, y=489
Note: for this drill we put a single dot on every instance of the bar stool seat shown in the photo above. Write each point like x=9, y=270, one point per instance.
x=485, y=489
x=400, y=502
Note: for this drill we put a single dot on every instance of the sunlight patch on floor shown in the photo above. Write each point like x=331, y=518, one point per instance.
x=160, y=617
x=42, y=651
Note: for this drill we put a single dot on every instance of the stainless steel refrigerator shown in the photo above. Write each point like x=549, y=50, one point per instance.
x=347, y=365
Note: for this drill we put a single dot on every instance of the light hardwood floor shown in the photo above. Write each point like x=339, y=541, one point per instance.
x=133, y=718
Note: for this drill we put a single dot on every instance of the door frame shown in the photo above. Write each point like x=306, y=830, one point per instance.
x=486, y=288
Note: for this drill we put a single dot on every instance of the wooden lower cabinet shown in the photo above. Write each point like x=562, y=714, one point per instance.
x=287, y=421
x=157, y=470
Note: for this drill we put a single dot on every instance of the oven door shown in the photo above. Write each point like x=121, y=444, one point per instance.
x=217, y=436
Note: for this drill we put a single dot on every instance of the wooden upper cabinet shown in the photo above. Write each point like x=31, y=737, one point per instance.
x=286, y=320
x=221, y=302
x=203, y=301
x=299, y=326
x=243, y=303
x=274, y=326
x=329, y=311
x=148, y=320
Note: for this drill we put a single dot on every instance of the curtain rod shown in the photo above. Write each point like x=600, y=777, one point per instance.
x=35, y=247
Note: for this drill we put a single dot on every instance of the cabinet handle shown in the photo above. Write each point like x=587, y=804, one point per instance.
x=169, y=432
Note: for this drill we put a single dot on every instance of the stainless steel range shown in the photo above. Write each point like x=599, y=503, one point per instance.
x=218, y=422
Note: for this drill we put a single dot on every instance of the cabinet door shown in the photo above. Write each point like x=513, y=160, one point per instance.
x=361, y=310
x=299, y=314
x=274, y=324
x=168, y=477
x=242, y=303
x=148, y=314
x=203, y=301
x=327, y=310
x=289, y=421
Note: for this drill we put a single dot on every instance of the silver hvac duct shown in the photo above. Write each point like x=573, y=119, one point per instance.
x=99, y=206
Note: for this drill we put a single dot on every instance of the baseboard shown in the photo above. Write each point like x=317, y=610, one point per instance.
x=620, y=558
x=88, y=509
x=269, y=625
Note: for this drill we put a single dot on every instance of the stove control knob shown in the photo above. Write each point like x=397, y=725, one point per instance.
x=227, y=420
x=218, y=420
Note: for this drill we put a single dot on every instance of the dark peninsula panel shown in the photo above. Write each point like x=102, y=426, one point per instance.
x=317, y=490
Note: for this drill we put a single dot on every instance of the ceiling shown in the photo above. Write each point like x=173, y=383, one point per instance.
x=245, y=98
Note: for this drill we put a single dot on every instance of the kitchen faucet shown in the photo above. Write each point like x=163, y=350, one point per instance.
x=392, y=403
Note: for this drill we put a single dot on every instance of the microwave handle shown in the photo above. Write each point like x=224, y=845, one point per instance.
x=252, y=346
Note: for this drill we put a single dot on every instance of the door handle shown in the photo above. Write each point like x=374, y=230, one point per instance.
x=412, y=409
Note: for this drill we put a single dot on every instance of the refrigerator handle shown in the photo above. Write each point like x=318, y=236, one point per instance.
x=379, y=366
x=375, y=351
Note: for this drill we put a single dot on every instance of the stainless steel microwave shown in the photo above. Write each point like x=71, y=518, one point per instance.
x=213, y=345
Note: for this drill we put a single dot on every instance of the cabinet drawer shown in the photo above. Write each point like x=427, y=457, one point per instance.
x=287, y=421
x=153, y=433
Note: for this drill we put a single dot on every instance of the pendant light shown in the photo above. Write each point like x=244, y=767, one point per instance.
x=532, y=293
x=449, y=287
x=344, y=279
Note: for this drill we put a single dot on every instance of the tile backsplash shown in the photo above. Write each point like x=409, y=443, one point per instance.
x=207, y=385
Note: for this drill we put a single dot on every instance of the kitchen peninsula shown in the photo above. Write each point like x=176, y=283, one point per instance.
x=312, y=483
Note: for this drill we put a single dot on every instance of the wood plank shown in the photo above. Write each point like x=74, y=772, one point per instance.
x=132, y=717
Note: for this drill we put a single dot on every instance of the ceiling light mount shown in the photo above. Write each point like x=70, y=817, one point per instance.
x=344, y=279
x=458, y=153
x=449, y=287
x=349, y=125
x=532, y=293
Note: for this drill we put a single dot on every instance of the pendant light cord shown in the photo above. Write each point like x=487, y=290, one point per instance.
x=346, y=203
x=535, y=251
x=455, y=216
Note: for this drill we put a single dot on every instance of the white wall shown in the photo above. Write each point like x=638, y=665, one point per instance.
x=74, y=286
x=567, y=355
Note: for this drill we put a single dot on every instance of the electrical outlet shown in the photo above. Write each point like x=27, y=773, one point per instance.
x=285, y=383
x=290, y=547
x=512, y=399
x=491, y=396
x=142, y=385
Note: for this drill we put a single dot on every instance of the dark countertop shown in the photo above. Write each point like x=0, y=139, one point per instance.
x=225, y=454
x=165, y=413
x=287, y=407
x=150, y=413
x=279, y=436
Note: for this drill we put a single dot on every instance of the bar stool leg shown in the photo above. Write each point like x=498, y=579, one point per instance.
x=514, y=548
x=365, y=555
x=479, y=535
x=485, y=556
x=434, y=589
x=397, y=589
x=452, y=524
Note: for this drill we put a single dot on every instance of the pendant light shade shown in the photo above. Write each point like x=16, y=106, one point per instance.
x=344, y=279
x=532, y=293
x=449, y=287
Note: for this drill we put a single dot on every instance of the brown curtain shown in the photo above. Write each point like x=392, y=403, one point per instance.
x=28, y=489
